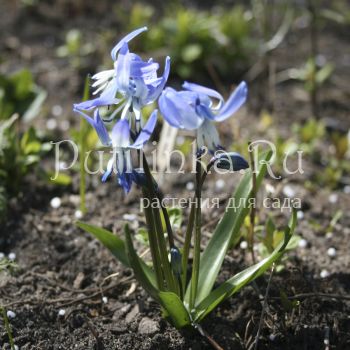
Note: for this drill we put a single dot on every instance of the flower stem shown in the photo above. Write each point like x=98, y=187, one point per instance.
x=197, y=235
x=153, y=244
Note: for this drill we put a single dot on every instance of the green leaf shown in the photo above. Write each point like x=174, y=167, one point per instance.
x=109, y=240
x=175, y=217
x=235, y=283
x=143, y=276
x=117, y=247
x=227, y=231
x=175, y=308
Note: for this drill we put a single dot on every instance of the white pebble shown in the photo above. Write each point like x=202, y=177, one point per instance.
x=16, y=347
x=2, y=255
x=329, y=235
x=78, y=214
x=302, y=243
x=288, y=191
x=51, y=124
x=55, y=202
x=105, y=300
x=324, y=273
x=269, y=188
x=244, y=245
x=12, y=256
x=300, y=214
x=61, y=312
x=189, y=186
x=347, y=189
x=220, y=184
x=272, y=337
x=62, y=165
x=10, y=314
x=129, y=217
x=333, y=198
x=332, y=252
x=56, y=110
x=65, y=125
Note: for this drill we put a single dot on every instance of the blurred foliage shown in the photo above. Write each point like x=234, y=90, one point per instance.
x=20, y=152
x=74, y=48
x=215, y=42
x=19, y=94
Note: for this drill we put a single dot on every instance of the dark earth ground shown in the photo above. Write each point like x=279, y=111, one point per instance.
x=61, y=267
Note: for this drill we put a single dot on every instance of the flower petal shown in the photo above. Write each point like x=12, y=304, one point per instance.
x=98, y=125
x=146, y=132
x=108, y=172
x=208, y=135
x=126, y=39
x=123, y=68
x=230, y=161
x=121, y=134
x=203, y=90
x=156, y=89
x=177, y=110
x=236, y=100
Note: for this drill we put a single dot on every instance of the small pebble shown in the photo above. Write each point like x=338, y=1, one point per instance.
x=189, y=186
x=302, y=243
x=300, y=214
x=16, y=347
x=288, y=191
x=244, y=245
x=129, y=217
x=347, y=189
x=333, y=198
x=61, y=312
x=329, y=235
x=220, y=184
x=324, y=273
x=269, y=188
x=104, y=300
x=12, y=256
x=57, y=110
x=332, y=252
x=272, y=337
x=51, y=124
x=2, y=255
x=78, y=214
x=55, y=202
x=62, y=165
x=10, y=314
x=65, y=125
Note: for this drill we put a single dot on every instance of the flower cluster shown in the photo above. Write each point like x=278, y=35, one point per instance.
x=134, y=83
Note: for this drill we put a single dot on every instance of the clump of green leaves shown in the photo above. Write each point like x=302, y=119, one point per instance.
x=19, y=94
x=198, y=41
x=74, y=48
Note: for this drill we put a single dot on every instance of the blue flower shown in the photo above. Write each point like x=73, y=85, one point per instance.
x=121, y=158
x=132, y=84
x=193, y=109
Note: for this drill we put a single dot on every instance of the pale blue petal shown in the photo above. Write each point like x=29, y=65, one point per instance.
x=121, y=134
x=126, y=39
x=146, y=132
x=202, y=90
x=236, y=100
x=156, y=90
x=123, y=68
x=177, y=110
x=98, y=125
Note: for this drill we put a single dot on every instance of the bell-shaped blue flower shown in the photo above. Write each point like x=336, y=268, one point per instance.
x=194, y=109
x=120, y=161
x=132, y=84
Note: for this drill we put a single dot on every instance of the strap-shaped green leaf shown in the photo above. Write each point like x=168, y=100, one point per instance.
x=142, y=275
x=112, y=242
x=227, y=231
x=116, y=246
x=175, y=308
x=234, y=284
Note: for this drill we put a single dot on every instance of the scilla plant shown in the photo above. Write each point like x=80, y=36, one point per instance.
x=183, y=287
